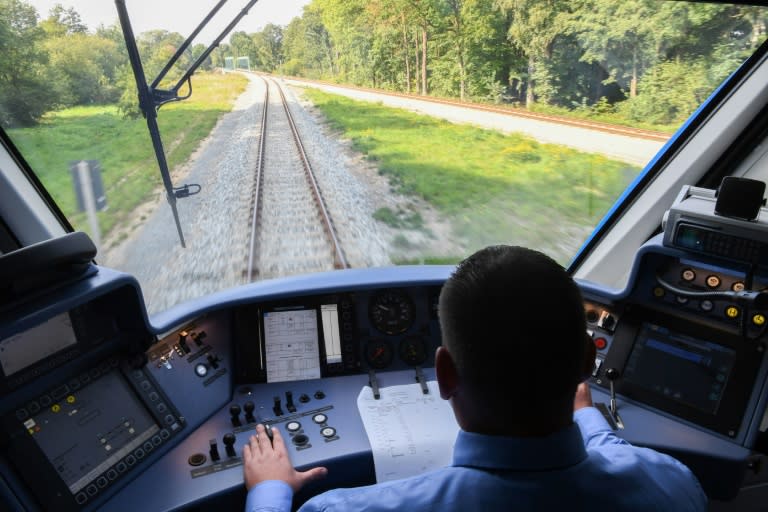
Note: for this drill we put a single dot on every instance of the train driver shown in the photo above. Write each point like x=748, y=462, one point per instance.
x=512, y=364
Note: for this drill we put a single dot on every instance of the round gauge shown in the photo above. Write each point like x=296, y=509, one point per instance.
x=391, y=312
x=378, y=353
x=413, y=350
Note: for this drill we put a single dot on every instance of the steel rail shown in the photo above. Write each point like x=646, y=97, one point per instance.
x=257, y=186
x=339, y=260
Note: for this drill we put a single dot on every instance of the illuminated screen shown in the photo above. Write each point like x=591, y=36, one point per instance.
x=291, y=345
x=679, y=367
x=331, y=334
x=35, y=344
x=91, y=430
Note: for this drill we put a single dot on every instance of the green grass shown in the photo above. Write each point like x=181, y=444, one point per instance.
x=494, y=187
x=122, y=146
x=399, y=219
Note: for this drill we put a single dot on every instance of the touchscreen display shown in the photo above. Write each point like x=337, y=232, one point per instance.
x=35, y=344
x=679, y=367
x=91, y=429
x=291, y=345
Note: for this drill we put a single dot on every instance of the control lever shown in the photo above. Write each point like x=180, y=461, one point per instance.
x=229, y=444
x=248, y=407
x=612, y=374
x=183, y=342
x=213, y=451
x=277, y=408
x=234, y=411
x=268, y=431
x=374, y=382
x=289, y=401
x=421, y=380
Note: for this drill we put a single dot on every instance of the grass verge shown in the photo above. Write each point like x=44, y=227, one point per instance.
x=494, y=187
x=122, y=146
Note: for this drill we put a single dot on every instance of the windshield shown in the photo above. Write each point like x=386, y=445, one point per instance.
x=328, y=134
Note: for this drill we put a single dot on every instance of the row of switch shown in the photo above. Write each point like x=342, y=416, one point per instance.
x=277, y=407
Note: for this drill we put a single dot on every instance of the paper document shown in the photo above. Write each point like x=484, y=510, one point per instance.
x=410, y=432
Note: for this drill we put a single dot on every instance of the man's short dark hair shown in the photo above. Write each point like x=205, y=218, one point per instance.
x=513, y=319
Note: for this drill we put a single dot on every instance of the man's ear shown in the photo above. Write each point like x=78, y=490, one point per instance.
x=589, y=358
x=447, y=375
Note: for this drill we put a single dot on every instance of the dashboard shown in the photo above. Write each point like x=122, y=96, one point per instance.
x=103, y=408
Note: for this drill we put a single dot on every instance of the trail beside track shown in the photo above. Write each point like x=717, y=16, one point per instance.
x=634, y=149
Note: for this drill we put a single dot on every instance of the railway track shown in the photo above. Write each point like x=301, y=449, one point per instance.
x=291, y=229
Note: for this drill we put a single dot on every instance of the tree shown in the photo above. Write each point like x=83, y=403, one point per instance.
x=61, y=22
x=535, y=24
x=24, y=92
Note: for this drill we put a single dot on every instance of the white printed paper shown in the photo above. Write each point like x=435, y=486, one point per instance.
x=410, y=432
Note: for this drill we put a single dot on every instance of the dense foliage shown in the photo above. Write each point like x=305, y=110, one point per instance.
x=641, y=60
x=645, y=60
x=56, y=62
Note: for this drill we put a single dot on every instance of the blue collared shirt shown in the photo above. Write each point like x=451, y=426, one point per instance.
x=578, y=468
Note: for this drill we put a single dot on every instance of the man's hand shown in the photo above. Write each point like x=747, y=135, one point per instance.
x=583, y=397
x=264, y=460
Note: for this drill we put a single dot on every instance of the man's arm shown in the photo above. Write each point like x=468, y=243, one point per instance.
x=269, y=475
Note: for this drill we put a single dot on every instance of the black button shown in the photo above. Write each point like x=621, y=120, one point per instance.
x=91, y=490
x=156, y=440
x=161, y=408
x=45, y=400
x=145, y=385
x=130, y=460
x=101, y=482
x=165, y=434
x=139, y=453
x=153, y=396
x=121, y=467
x=33, y=407
x=111, y=474
x=169, y=419
x=22, y=414
x=81, y=498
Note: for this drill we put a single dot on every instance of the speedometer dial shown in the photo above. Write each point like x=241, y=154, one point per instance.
x=391, y=311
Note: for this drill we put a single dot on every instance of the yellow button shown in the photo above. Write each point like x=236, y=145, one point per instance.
x=658, y=291
x=55, y=408
x=732, y=312
x=758, y=319
x=70, y=399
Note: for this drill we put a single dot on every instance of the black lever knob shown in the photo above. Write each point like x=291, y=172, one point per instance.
x=229, y=444
x=612, y=374
x=214, y=451
x=183, y=342
x=289, y=401
x=277, y=408
x=234, y=411
x=249, y=407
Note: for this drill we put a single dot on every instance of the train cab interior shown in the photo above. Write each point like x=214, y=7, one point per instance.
x=106, y=405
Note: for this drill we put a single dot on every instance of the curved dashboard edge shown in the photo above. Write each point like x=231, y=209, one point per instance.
x=298, y=286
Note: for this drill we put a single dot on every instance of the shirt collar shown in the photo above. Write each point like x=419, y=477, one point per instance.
x=562, y=449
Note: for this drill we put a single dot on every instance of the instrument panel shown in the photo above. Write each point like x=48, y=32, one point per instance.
x=337, y=334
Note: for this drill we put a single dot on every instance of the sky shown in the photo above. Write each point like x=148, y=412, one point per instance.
x=181, y=16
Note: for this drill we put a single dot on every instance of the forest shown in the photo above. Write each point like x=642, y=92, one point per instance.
x=641, y=61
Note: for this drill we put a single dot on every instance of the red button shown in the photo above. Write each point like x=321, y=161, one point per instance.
x=600, y=343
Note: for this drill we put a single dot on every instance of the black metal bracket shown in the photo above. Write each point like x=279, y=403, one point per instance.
x=151, y=98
